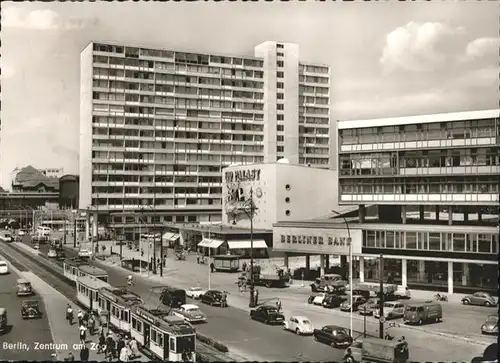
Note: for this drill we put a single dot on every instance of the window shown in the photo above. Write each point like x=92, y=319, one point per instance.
x=434, y=241
x=484, y=243
x=370, y=238
x=279, y=106
x=287, y=199
x=153, y=335
x=279, y=85
x=280, y=54
x=389, y=239
x=280, y=149
x=411, y=240
x=279, y=45
x=287, y=212
x=458, y=242
x=280, y=74
x=280, y=96
x=280, y=117
x=280, y=63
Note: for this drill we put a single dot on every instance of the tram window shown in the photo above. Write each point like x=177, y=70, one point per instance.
x=185, y=344
x=134, y=323
x=139, y=326
x=160, y=340
x=153, y=336
x=172, y=344
x=125, y=315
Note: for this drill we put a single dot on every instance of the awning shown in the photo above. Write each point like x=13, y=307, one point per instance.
x=170, y=236
x=257, y=243
x=211, y=243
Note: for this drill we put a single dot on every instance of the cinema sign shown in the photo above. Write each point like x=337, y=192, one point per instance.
x=242, y=175
x=317, y=241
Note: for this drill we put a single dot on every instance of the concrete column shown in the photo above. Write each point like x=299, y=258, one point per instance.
x=466, y=215
x=421, y=271
x=450, y=278
x=421, y=211
x=404, y=272
x=182, y=237
x=87, y=225
x=94, y=225
x=327, y=262
x=479, y=216
x=321, y=265
x=308, y=264
x=403, y=214
x=362, y=213
x=285, y=260
x=361, y=269
x=465, y=274
x=437, y=212
x=450, y=215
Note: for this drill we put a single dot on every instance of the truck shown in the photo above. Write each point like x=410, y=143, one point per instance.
x=273, y=276
x=380, y=350
x=374, y=288
x=334, y=281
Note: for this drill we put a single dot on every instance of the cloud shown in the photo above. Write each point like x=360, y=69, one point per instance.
x=13, y=17
x=421, y=47
x=483, y=47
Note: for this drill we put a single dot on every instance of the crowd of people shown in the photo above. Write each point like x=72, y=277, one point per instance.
x=122, y=348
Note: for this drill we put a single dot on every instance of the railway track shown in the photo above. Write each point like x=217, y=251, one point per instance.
x=23, y=261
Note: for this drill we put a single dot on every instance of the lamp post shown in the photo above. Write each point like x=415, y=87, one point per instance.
x=74, y=229
x=208, y=264
x=349, y=242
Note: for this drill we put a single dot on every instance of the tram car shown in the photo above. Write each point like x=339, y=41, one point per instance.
x=167, y=337
x=87, y=291
x=98, y=273
x=118, y=302
x=71, y=268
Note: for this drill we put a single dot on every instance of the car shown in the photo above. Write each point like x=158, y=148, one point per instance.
x=333, y=301
x=299, y=324
x=357, y=300
x=212, y=297
x=36, y=246
x=190, y=313
x=479, y=298
x=83, y=252
x=267, y=315
x=30, y=309
x=60, y=255
x=490, y=326
x=52, y=253
x=21, y=232
x=369, y=306
x=195, y=292
x=333, y=335
x=392, y=310
x=402, y=292
x=317, y=299
x=24, y=288
x=4, y=268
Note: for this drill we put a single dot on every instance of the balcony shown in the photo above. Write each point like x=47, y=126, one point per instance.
x=451, y=170
x=447, y=199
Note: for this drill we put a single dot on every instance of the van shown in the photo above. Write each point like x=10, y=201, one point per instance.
x=43, y=231
x=173, y=297
x=423, y=313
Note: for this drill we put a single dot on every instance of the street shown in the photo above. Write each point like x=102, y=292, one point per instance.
x=24, y=339
x=247, y=336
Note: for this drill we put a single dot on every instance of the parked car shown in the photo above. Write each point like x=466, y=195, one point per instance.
x=356, y=301
x=195, y=292
x=299, y=324
x=267, y=315
x=392, y=310
x=21, y=232
x=333, y=301
x=490, y=326
x=317, y=299
x=24, y=287
x=36, y=246
x=212, y=297
x=60, y=255
x=30, y=309
x=423, y=313
x=190, y=313
x=4, y=268
x=402, y=292
x=333, y=335
x=52, y=253
x=479, y=298
x=83, y=252
x=369, y=307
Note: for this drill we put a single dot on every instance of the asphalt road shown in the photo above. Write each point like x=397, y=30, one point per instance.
x=29, y=332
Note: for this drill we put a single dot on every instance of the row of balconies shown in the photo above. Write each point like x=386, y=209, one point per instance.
x=119, y=207
x=259, y=119
x=438, y=198
x=102, y=196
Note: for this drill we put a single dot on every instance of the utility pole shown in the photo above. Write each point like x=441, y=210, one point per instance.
x=161, y=251
x=381, y=293
x=74, y=229
x=252, y=303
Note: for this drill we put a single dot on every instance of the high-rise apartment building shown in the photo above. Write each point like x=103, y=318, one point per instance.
x=157, y=126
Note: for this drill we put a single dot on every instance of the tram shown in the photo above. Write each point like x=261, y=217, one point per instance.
x=168, y=337
x=87, y=291
x=118, y=302
x=71, y=268
x=88, y=270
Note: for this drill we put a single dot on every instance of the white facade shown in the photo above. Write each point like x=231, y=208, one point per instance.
x=157, y=126
x=52, y=172
x=281, y=192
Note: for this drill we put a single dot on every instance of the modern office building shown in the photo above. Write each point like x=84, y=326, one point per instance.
x=157, y=126
x=435, y=181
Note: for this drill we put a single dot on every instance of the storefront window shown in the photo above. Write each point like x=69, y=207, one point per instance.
x=471, y=244
x=475, y=275
x=380, y=239
x=371, y=269
x=446, y=242
x=484, y=243
x=422, y=241
x=411, y=240
x=389, y=239
x=434, y=241
x=370, y=238
x=458, y=242
x=398, y=238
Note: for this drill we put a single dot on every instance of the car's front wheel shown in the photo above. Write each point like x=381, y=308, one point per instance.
x=465, y=302
x=297, y=331
x=487, y=304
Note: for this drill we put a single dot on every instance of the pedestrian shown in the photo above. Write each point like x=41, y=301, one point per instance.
x=134, y=350
x=102, y=344
x=91, y=325
x=224, y=299
x=80, y=317
x=212, y=267
x=164, y=260
x=158, y=261
x=83, y=333
x=120, y=344
x=84, y=353
x=278, y=305
x=244, y=266
x=69, y=314
x=198, y=258
x=124, y=354
x=256, y=297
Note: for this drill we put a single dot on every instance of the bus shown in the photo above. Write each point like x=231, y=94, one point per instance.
x=57, y=225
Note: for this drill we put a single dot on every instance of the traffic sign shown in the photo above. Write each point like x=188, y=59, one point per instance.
x=382, y=319
x=121, y=237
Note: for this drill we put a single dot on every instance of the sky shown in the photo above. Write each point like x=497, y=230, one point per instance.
x=387, y=59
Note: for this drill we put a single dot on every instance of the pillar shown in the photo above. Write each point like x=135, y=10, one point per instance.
x=465, y=274
x=361, y=213
x=450, y=215
x=327, y=262
x=182, y=237
x=421, y=211
x=479, y=215
x=94, y=225
x=321, y=265
x=404, y=272
x=87, y=225
x=285, y=260
x=403, y=214
x=450, y=278
x=361, y=269
x=308, y=264
x=466, y=215
x=421, y=271
x=437, y=213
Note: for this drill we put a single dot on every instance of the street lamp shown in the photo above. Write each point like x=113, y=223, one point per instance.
x=349, y=242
